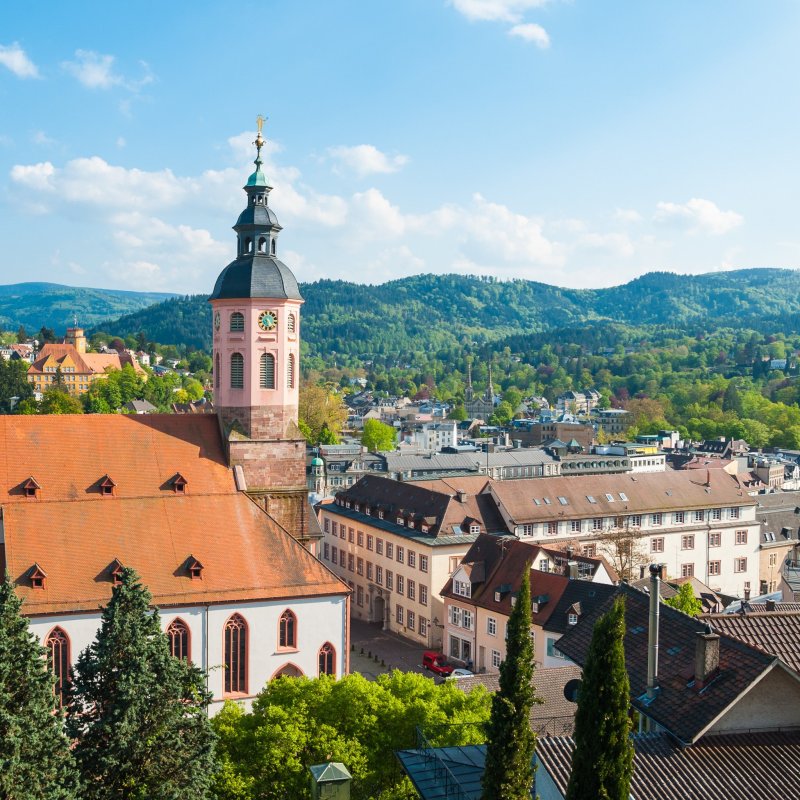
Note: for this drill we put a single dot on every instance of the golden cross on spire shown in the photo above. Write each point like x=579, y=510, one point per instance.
x=260, y=120
x=259, y=142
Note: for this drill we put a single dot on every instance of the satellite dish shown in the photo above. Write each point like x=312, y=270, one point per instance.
x=572, y=689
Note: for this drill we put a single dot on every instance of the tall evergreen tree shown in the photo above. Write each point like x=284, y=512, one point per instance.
x=602, y=764
x=139, y=715
x=34, y=752
x=511, y=741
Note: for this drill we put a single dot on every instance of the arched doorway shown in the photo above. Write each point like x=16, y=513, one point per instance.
x=379, y=610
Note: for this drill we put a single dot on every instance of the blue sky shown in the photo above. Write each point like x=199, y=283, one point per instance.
x=579, y=143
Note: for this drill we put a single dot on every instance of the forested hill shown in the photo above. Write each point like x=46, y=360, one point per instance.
x=434, y=312
x=34, y=305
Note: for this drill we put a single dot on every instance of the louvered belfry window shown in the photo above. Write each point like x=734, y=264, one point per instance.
x=290, y=371
x=237, y=321
x=267, y=371
x=237, y=371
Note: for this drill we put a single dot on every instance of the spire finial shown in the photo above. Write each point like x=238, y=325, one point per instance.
x=259, y=142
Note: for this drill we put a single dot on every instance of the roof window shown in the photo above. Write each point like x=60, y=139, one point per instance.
x=179, y=484
x=115, y=571
x=107, y=487
x=537, y=501
x=194, y=568
x=590, y=498
x=31, y=488
x=623, y=497
x=609, y=497
x=546, y=501
x=37, y=576
x=563, y=500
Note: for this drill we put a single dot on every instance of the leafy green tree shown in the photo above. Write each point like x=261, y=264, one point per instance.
x=602, y=763
x=327, y=436
x=138, y=715
x=378, y=436
x=22, y=335
x=685, y=601
x=732, y=401
x=511, y=742
x=458, y=413
x=503, y=414
x=296, y=722
x=34, y=752
x=46, y=335
x=13, y=383
x=319, y=408
x=57, y=401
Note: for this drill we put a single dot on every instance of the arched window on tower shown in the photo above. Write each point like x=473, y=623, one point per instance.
x=327, y=659
x=274, y=247
x=287, y=634
x=216, y=371
x=57, y=644
x=290, y=371
x=262, y=245
x=237, y=371
x=236, y=655
x=248, y=245
x=178, y=632
x=267, y=371
x=237, y=322
x=291, y=323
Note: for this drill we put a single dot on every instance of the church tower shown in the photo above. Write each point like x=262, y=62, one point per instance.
x=256, y=334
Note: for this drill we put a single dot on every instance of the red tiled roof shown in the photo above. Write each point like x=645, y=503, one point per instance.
x=59, y=352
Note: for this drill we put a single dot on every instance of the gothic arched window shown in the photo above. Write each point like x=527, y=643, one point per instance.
x=57, y=644
x=237, y=322
x=327, y=659
x=237, y=371
x=178, y=632
x=236, y=655
x=267, y=371
x=290, y=371
x=287, y=635
x=216, y=371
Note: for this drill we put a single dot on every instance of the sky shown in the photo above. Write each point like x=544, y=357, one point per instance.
x=581, y=143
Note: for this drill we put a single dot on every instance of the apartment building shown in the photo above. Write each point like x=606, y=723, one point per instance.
x=697, y=523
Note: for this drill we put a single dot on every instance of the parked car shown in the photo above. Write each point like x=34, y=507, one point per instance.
x=460, y=672
x=436, y=663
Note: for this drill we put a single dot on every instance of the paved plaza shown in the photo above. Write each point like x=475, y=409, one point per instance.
x=391, y=649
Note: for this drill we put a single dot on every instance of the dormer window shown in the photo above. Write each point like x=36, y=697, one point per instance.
x=107, y=487
x=195, y=569
x=572, y=619
x=475, y=529
x=179, y=484
x=31, y=487
x=37, y=577
x=115, y=571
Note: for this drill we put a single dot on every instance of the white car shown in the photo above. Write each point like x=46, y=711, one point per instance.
x=461, y=673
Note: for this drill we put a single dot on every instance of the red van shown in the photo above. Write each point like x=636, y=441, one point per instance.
x=436, y=662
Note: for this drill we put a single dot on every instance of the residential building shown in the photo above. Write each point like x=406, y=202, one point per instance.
x=613, y=421
x=642, y=457
x=578, y=402
x=779, y=552
x=540, y=433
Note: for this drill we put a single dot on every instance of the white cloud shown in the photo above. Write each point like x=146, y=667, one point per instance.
x=700, y=216
x=13, y=57
x=617, y=244
x=40, y=137
x=121, y=141
x=531, y=32
x=365, y=159
x=38, y=177
x=627, y=215
x=496, y=10
x=96, y=71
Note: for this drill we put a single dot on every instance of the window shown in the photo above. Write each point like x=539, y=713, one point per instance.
x=57, y=644
x=544, y=565
x=551, y=649
x=326, y=551
x=462, y=588
x=773, y=559
x=454, y=562
x=401, y=581
x=389, y=550
x=291, y=321
x=423, y=626
x=237, y=371
x=333, y=524
x=412, y=559
x=389, y=579
x=527, y=530
x=496, y=661
x=399, y=614
x=423, y=594
x=335, y=554
x=290, y=371
x=237, y=322
x=350, y=535
x=369, y=570
x=590, y=498
x=575, y=526
x=657, y=544
x=360, y=566
x=410, y=620
x=178, y=633
x=741, y=537
x=466, y=619
x=379, y=575
x=327, y=659
x=687, y=570
x=400, y=554
x=716, y=514
x=370, y=542
x=491, y=626
x=235, y=635
x=699, y=516
x=455, y=616
x=679, y=517
x=287, y=635
x=740, y=565
x=590, y=550
x=657, y=519
x=714, y=567
x=411, y=590
x=551, y=528
x=734, y=513
x=687, y=542
x=342, y=531
x=216, y=371
x=597, y=524
x=379, y=546
x=423, y=563
x=267, y=371
x=715, y=539
x=636, y=520
x=351, y=562
x=342, y=558
x=572, y=619
x=359, y=595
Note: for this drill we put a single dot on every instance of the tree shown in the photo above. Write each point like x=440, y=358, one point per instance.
x=686, y=601
x=458, y=413
x=503, y=414
x=138, y=714
x=319, y=408
x=46, y=335
x=57, y=401
x=378, y=436
x=22, y=335
x=13, y=383
x=623, y=545
x=300, y=721
x=602, y=763
x=732, y=401
x=511, y=742
x=37, y=762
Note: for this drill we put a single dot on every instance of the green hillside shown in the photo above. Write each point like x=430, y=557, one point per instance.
x=54, y=306
x=426, y=313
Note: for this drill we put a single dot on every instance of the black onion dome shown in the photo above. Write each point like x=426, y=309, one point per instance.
x=258, y=215
x=256, y=276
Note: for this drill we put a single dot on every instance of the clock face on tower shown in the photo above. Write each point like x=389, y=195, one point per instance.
x=267, y=320
x=216, y=320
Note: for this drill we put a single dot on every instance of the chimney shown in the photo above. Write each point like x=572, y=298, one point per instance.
x=706, y=658
x=572, y=570
x=652, y=633
x=462, y=497
x=747, y=595
x=770, y=605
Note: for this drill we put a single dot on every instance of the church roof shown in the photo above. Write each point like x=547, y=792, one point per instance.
x=256, y=276
x=74, y=530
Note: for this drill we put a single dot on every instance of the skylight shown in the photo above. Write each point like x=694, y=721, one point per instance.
x=563, y=500
x=590, y=498
x=547, y=501
x=623, y=497
x=537, y=501
x=609, y=497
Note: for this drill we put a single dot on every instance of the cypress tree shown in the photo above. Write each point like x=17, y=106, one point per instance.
x=139, y=715
x=511, y=742
x=602, y=763
x=34, y=752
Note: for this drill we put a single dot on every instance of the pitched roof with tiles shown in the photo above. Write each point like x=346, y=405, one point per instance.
x=75, y=532
x=59, y=352
x=579, y=597
x=639, y=493
x=677, y=707
x=775, y=632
